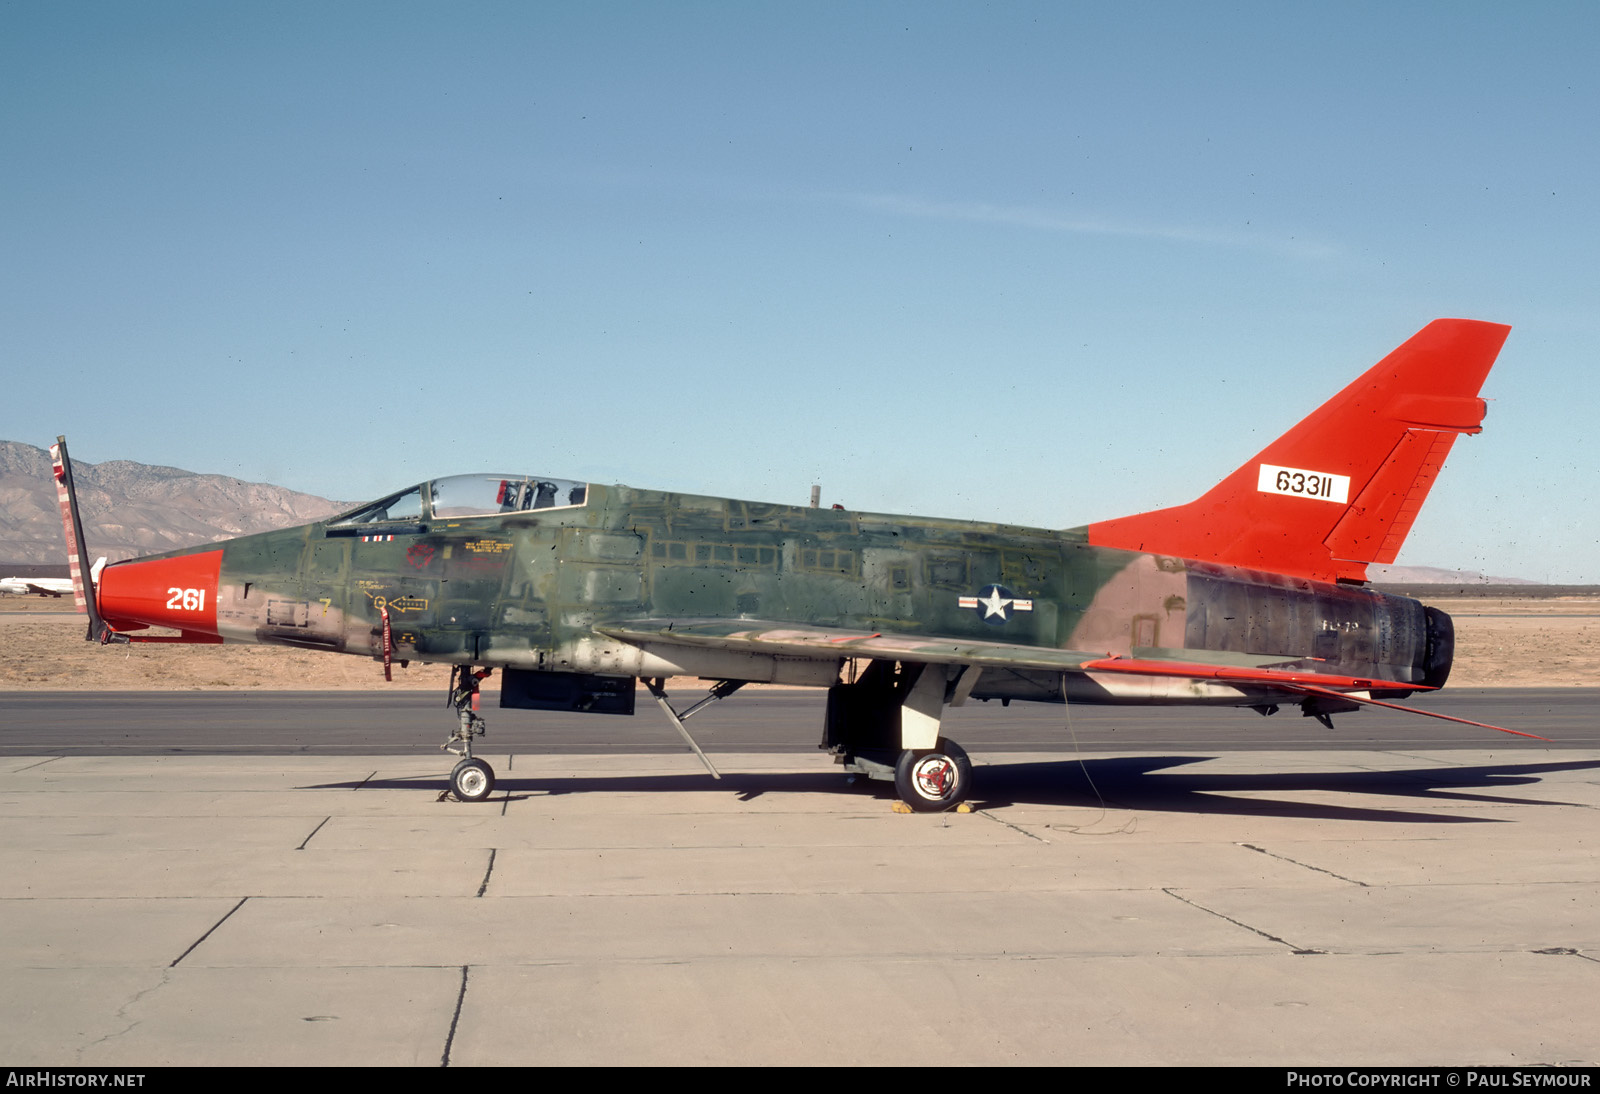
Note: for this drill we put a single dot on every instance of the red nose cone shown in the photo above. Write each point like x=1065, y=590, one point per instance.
x=162, y=592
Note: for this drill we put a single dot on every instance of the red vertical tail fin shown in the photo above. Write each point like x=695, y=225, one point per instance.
x=1341, y=489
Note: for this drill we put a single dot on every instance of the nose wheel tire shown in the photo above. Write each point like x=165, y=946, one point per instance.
x=936, y=780
x=472, y=780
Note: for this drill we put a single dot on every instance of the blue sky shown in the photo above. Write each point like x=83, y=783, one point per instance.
x=1041, y=263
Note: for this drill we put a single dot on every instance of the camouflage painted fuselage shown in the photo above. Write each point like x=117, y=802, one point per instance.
x=529, y=589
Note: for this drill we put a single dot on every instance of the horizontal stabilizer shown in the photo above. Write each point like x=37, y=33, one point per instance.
x=1414, y=710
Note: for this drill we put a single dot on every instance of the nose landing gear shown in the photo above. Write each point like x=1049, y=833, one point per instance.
x=472, y=780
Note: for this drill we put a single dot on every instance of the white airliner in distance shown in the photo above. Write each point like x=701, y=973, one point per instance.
x=47, y=586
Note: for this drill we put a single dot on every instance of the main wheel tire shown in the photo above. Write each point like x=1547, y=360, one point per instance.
x=472, y=780
x=933, y=781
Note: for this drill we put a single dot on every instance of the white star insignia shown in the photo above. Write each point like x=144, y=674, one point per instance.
x=994, y=604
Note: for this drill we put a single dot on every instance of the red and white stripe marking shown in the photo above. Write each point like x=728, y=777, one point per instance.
x=66, y=525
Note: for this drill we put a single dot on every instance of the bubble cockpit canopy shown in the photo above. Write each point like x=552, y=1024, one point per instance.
x=468, y=496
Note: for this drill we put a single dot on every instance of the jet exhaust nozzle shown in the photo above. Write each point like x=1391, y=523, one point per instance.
x=1441, y=648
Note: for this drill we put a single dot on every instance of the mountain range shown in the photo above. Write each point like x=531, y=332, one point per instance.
x=131, y=509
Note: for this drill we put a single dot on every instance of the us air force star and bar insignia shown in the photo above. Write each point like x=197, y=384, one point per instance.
x=991, y=604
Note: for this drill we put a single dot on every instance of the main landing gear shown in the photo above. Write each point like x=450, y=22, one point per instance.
x=472, y=780
x=885, y=726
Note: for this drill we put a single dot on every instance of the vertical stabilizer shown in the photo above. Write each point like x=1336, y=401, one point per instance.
x=1341, y=489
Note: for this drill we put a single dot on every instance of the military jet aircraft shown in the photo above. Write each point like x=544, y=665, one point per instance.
x=1252, y=596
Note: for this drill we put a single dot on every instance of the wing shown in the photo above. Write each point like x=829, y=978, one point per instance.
x=1256, y=671
x=831, y=643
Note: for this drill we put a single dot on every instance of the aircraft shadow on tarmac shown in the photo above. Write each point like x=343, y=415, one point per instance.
x=1125, y=783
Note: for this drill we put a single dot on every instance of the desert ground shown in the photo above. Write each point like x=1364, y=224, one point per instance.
x=1499, y=643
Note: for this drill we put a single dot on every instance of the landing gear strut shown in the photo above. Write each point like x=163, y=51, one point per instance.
x=885, y=726
x=472, y=780
x=721, y=690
